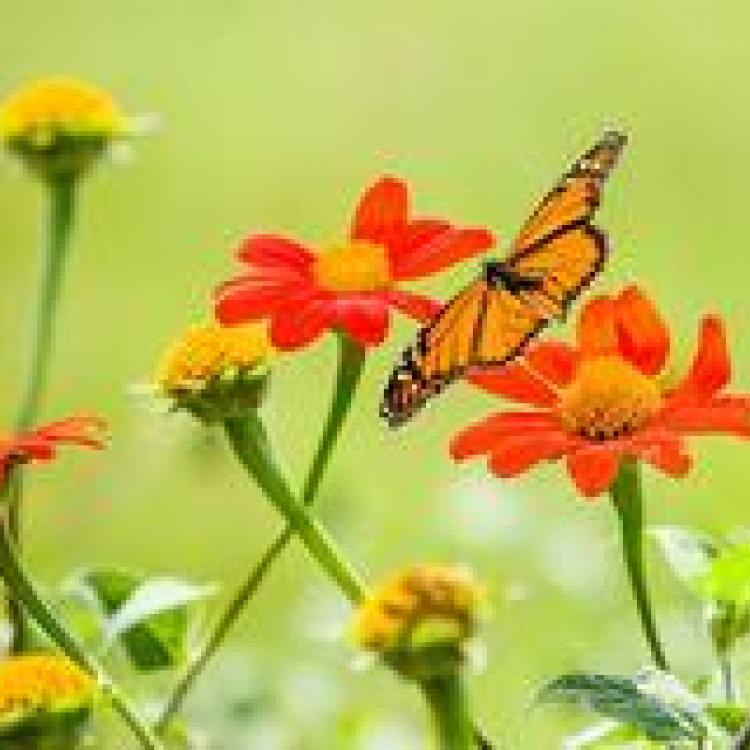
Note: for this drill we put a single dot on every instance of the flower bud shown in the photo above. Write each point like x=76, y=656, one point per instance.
x=61, y=126
x=43, y=696
x=216, y=373
x=421, y=620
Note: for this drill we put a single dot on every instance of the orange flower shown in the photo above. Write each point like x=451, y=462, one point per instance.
x=41, y=444
x=350, y=286
x=603, y=401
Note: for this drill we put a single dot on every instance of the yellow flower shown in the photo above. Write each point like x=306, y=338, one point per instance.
x=216, y=372
x=59, y=125
x=37, y=690
x=421, y=618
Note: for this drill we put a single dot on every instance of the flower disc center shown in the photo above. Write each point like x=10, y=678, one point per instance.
x=356, y=267
x=607, y=399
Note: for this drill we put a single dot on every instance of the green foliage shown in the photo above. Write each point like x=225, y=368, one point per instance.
x=150, y=616
x=656, y=714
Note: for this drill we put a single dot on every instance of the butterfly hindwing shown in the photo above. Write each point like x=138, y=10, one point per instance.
x=555, y=256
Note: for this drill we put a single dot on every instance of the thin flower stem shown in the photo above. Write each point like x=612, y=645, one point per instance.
x=449, y=704
x=742, y=741
x=19, y=581
x=726, y=671
x=350, y=367
x=251, y=445
x=58, y=224
x=627, y=496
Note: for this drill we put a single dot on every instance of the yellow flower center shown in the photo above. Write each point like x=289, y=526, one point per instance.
x=33, y=683
x=356, y=267
x=210, y=351
x=607, y=399
x=412, y=603
x=50, y=105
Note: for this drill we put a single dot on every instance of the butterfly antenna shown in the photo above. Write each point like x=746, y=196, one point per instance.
x=523, y=363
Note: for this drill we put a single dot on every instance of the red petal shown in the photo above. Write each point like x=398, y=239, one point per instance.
x=515, y=455
x=516, y=382
x=483, y=437
x=642, y=336
x=711, y=370
x=593, y=468
x=664, y=451
x=444, y=250
x=364, y=318
x=269, y=251
x=714, y=417
x=416, y=306
x=250, y=303
x=553, y=361
x=382, y=212
x=597, y=333
x=300, y=322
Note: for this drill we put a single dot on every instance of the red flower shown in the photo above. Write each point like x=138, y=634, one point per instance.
x=602, y=400
x=40, y=444
x=351, y=286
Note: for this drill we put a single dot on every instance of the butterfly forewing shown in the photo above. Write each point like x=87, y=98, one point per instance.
x=556, y=255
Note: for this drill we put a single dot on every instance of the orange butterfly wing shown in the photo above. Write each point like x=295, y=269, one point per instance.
x=556, y=255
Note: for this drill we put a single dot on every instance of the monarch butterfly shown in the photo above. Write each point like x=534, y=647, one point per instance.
x=555, y=256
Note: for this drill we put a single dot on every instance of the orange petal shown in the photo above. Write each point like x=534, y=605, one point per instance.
x=664, y=451
x=514, y=456
x=554, y=361
x=382, y=211
x=711, y=368
x=707, y=419
x=597, y=333
x=485, y=436
x=593, y=468
x=516, y=382
x=643, y=337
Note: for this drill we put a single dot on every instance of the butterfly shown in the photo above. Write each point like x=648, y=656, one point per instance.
x=555, y=256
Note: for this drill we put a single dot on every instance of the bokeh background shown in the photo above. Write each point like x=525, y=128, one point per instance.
x=275, y=114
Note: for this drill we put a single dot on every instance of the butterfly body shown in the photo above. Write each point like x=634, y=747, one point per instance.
x=553, y=259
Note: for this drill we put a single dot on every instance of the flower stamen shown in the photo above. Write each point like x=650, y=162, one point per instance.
x=608, y=398
x=355, y=267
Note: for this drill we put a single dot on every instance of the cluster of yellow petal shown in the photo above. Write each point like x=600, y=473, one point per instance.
x=37, y=683
x=418, y=596
x=50, y=106
x=206, y=352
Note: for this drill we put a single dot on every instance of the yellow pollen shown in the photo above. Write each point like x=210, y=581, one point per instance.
x=413, y=597
x=33, y=683
x=206, y=352
x=607, y=399
x=356, y=267
x=58, y=104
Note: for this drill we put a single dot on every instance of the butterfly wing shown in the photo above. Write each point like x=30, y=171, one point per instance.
x=481, y=325
x=557, y=249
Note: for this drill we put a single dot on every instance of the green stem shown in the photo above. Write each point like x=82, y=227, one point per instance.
x=58, y=223
x=627, y=497
x=726, y=671
x=20, y=583
x=742, y=741
x=449, y=705
x=350, y=367
x=250, y=442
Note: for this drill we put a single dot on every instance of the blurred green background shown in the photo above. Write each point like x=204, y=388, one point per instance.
x=275, y=115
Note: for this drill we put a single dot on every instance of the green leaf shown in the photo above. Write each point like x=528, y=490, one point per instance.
x=150, y=617
x=626, y=701
x=728, y=578
x=688, y=553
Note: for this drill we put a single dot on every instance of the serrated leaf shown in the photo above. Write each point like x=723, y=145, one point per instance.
x=688, y=553
x=150, y=617
x=622, y=699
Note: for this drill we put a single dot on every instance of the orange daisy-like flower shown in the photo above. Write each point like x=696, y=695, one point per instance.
x=41, y=443
x=350, y=286
x=603, y=400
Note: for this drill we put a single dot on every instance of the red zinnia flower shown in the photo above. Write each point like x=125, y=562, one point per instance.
x=351, y=286
x=602, y=401
x=41, y=443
